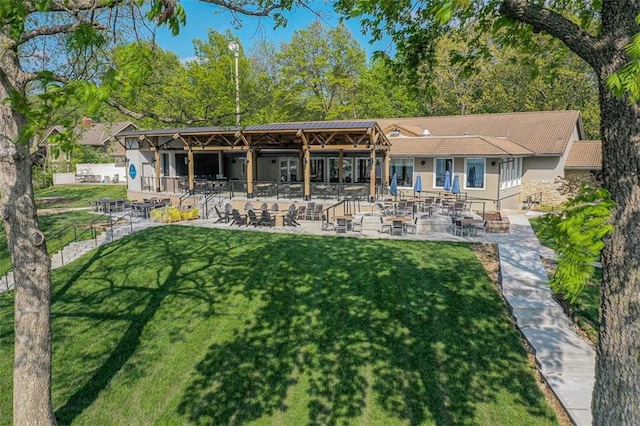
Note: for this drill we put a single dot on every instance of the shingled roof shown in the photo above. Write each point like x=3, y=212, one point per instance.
x=585, y=155
x=544, y=132
x=99, y=134
x=456, y=146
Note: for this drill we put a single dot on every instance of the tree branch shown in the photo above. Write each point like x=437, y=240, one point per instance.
x=74, y=5
x=147, y=114
x=234, y=8
x=58, y=29
x=540, y=18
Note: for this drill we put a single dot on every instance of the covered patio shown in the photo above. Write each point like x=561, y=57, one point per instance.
x=285, y=160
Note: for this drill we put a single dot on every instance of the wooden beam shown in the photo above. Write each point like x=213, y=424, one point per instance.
x=249, y=170
x=341, y=166
x=156, y=159
x=191, y=170
x=372, y=176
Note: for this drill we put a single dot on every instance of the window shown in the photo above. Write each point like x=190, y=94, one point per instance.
x=510, y=172
x=442, y=165
x=403, y=168
x=288, y=169
x=474, y=173
x=347, y=170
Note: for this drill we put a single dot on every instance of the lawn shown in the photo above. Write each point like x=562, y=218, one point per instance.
x=177, y=325
x=63, y=196
x=54, y=226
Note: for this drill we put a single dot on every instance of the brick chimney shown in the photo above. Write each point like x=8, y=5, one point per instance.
x=86, y=122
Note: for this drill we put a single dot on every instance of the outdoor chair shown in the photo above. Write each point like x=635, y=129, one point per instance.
x=326, y=224
x=480, y=228
x=385, y=210
x=290, y=219
x=252, y=218
x=302, y=212
x=237, y=219
x=266, y=219
x=385, y=228
x=458, y=208
x=264, y=207
x=356, y=224
x=248, y=206
x=309, y=211
x=221, y=217
x=275, y=207
x=341, y=226
x=411, y=227
x=397, y=227
x=458, y=227
x=317, y=212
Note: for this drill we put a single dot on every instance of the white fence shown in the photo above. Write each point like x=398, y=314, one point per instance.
x=93, y=173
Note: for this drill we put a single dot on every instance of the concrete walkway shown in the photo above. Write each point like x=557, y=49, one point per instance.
x=563, y=358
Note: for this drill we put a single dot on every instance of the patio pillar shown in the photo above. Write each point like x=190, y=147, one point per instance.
x=385, y=167
x=192, y=169
x=220, y=165
x=307, y=174
x=372, y=175
x=156, y=160
x=250, y=173
x=340, y=166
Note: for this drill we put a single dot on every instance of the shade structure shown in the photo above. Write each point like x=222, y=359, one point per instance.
x=455, y=188
x=393, y=189
x=447, y=181
x=418, y=185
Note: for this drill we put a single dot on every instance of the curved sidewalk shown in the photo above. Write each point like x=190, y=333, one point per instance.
x=565, y=361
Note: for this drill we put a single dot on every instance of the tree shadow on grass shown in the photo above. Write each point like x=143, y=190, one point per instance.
x=357, y=324
x=115, y=297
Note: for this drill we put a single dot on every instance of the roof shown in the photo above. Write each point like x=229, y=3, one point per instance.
x=585, y=155
x=100, y=133
x=543, y=132
x=456, y=146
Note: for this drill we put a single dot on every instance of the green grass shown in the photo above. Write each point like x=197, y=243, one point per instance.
x=178, y=325
x=65, y=196
x=53, y=226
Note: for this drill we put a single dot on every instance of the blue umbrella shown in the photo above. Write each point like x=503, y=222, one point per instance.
x=447, y=181
x=393, y=189
x=418, y=186
x=455, y=188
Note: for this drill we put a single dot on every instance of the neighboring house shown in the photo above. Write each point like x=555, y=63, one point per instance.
x=584, y=161
x=503, y=159
x=99, y=136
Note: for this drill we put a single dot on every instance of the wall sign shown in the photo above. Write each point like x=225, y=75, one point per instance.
x=132, y=171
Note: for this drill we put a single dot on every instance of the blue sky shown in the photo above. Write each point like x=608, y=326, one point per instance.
x=202, y=16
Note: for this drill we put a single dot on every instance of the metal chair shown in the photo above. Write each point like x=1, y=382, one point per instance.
x=341, y=226
x=397, y=227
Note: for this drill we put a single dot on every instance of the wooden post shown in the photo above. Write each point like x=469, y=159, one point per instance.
x=385, y=168
x=156, y=159
x=192, y=168
x=341, y=166
x=307, y=174
x=372, y=175
x=249, y=173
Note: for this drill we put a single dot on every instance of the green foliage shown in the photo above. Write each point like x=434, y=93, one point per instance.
x=41, y=178
x=626, y=81
x=578, y=232
x=233, y=327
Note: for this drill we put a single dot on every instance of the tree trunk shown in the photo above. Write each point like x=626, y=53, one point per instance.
x=616, y=397
x=32, y=360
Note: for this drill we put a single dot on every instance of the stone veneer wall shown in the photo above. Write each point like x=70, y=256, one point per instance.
x=549, y=189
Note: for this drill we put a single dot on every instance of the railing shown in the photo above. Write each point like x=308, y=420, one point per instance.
x=111, y=223
x=221, y=189
x=349, y=206
x=533, y=199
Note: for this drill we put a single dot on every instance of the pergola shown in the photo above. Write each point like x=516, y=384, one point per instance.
x=304, y=137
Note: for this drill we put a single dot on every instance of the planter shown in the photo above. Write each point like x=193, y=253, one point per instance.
x=496, y=223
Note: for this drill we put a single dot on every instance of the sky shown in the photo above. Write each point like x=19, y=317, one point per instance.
x=202, y=16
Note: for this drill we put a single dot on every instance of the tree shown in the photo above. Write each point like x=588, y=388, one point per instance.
x=319, y=71
x=597, y=32
x=29, y=90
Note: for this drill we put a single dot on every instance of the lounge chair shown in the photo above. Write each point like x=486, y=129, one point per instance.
x=266, y=219
x=221, y=217
x=290, y=219
x=237, y=219
x=252, y=218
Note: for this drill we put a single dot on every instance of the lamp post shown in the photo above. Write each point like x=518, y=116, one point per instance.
x=233, y=46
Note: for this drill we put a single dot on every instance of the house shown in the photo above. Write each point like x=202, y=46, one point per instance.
x=99, y=136
x=500, y=159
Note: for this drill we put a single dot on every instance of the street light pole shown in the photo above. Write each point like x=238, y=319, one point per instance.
x=233, y=46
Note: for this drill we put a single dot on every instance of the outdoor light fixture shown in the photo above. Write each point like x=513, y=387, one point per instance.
x=423, y=162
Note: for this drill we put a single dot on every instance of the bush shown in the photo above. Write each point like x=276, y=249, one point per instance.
x=41, y=178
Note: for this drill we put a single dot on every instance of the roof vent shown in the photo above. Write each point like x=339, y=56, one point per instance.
x=426, y=132
x=395, y=132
